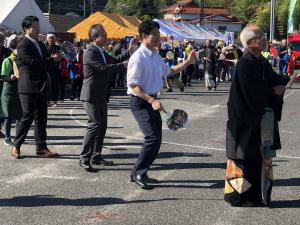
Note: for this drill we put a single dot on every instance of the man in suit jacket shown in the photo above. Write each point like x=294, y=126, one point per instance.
x=33, y=59
x=94, y=94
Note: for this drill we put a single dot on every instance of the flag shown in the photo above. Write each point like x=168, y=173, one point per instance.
x=290, y=19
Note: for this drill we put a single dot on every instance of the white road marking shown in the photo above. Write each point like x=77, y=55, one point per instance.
x=172, y=143
x=289, y=94
x=219, y=106
x=288, y=132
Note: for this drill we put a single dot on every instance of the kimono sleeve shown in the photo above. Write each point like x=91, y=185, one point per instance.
x=255, y=90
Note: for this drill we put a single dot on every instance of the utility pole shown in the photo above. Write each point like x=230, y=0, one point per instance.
x=84, y=11
x=49, y=7
x=212, y=12
x=91, y=6
x=201, y=4
x=272, y=20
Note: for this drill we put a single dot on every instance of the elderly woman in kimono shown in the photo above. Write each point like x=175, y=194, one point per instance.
x=252, y=136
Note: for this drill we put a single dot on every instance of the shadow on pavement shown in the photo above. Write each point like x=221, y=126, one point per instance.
x=285, y=204
x=287, y=182
x=161, y=155
x=50, y=200
x=211, y=184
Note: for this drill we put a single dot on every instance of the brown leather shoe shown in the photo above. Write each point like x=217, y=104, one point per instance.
x=15, y=152
x=46, y=153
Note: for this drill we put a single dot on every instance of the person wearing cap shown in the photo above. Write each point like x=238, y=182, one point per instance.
x=145, y=73
x=53, y=72
x=187, y=75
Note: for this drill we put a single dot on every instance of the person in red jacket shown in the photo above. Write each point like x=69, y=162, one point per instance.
x=290, y=65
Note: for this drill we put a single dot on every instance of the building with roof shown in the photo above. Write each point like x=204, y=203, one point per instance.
x=222, y=23
x=62, y=23
x=189, y=11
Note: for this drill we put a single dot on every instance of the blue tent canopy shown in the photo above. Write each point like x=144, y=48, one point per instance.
x=185, y=31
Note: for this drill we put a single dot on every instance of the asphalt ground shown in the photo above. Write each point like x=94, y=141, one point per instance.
x=191, y=166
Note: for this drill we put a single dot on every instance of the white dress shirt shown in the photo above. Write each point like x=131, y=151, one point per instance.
x=146, y=69
x=102, y=53
x=36, y=44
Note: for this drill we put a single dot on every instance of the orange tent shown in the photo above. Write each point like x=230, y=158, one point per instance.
x=116, y=26
x=131, y=21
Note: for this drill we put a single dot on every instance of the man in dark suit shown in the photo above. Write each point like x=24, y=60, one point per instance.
x=94, y=94
x=33, y=60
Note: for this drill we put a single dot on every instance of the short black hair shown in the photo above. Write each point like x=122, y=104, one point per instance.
x=27, y=22
x=147, y=26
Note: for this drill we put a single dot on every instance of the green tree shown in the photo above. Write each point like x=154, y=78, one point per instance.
x=262, y=16
x=282, y=17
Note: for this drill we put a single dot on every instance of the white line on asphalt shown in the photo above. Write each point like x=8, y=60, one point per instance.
x=171, y=143
x=219, y=106
x=288, y=132
x=289, y=94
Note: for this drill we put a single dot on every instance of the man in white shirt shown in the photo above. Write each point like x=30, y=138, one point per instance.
x=145, y=74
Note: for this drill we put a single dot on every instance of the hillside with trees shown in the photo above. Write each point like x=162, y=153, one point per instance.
x=250, y=11
x=76, y=6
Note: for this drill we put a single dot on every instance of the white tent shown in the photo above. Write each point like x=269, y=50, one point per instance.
x=12, y=12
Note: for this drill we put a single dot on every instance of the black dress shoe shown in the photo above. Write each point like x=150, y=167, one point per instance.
x=146, y=178
x=141, y=182
x=103, y=162
x=86, y=165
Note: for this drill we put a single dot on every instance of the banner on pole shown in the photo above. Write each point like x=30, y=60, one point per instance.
x=229, y=38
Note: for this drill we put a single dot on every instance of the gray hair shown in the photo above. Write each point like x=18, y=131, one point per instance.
x=249, y=33
x=94, y=31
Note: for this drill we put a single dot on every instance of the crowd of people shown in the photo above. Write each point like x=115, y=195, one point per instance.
x=34, y=75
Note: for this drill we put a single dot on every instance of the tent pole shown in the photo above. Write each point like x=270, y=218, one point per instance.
x=84, y=11
x=201, y=4
x=49, y=7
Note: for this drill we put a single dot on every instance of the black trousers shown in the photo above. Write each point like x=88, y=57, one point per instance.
x=187, y=75
x=53, y=85
x=95, y=132
x=62, y=81
x=34, y=108
x=76, y=87
x=150, y=124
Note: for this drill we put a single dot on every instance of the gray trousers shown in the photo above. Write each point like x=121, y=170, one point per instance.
x=95, y=132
